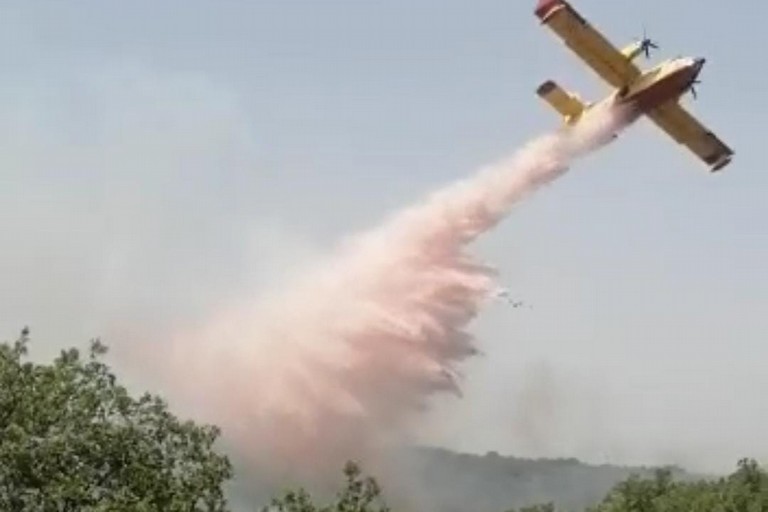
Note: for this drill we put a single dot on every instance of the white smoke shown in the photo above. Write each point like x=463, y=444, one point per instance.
x=333, y=363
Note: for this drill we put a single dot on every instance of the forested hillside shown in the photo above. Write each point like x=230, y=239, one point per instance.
x=446, y=481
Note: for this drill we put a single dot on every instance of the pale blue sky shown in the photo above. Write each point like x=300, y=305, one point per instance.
x=162, y=157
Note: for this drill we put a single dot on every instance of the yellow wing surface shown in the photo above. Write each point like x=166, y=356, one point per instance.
x=594, y=49
x=686, y=130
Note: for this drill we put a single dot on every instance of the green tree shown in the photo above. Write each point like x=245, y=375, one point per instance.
x=73, y=439
x=547, y=507
x=359, y=494
x=639, y=495
x=746, y=490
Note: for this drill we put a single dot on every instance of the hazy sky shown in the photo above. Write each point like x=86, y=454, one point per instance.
x=162, y=158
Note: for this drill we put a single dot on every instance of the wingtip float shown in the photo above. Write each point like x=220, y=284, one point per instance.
x=655, y=93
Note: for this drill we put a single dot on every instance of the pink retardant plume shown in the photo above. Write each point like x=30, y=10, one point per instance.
x=333, y=365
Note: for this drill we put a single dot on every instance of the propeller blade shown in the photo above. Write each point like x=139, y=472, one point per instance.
x=646, y=44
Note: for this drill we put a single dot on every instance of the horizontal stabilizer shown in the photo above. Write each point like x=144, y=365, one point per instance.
x=568, y=105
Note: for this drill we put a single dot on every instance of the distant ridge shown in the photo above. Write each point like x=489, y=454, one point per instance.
x=445, y=481
x=426, y=479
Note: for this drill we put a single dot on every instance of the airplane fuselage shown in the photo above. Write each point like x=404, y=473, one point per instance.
x=666, y=82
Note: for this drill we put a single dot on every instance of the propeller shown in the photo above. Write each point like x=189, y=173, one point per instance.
x=693, y=89
x=647, y=44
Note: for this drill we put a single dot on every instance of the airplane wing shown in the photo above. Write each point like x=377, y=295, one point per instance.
x=685, y=129
x=594, y=49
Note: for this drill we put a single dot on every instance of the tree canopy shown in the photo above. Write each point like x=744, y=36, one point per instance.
x=745, y=490
x=73, y=439
x=359, y=494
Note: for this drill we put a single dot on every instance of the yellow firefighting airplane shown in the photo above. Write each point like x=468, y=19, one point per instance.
x=655, y=93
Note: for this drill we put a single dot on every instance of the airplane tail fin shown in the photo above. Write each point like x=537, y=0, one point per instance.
x=568, y=105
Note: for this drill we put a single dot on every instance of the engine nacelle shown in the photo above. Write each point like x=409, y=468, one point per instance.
x=633, y=51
